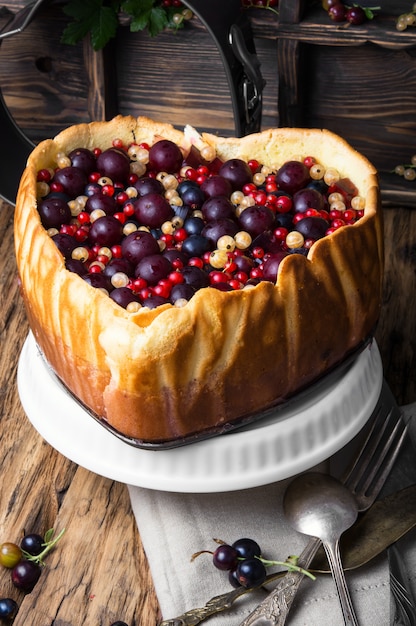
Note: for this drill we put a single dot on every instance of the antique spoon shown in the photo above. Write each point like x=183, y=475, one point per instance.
x=318, y=505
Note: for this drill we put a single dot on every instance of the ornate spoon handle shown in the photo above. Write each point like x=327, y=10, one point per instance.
x=275, y=607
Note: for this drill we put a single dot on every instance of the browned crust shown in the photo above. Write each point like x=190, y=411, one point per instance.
x=164, y=373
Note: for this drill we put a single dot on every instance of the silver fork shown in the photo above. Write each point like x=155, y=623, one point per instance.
x=365, y=478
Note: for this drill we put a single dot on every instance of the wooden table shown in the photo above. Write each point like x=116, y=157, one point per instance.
x=99, y=573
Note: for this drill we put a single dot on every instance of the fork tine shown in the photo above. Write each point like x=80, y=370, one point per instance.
x=368, y=473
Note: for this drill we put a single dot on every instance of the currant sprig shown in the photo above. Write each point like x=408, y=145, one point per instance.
x=245, y=564
x=49, y=542
x=406, y=19
x=354, y=14
x=408, y=171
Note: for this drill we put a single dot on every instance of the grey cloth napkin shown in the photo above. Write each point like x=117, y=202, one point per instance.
x=174, y=526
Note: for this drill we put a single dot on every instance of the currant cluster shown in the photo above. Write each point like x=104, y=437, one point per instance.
x=245, y=564
x=406, y=19
x=242, y=560
x=178, y=12
x=338, y=11
x=150, y=226
x=25, y=562
x=408, y=171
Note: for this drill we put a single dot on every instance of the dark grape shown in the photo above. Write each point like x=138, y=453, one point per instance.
x=84, y=159
x=217, y=207
x=195, y=277
x=154, y=301
x=217, y=228
x=65, y=244
x=172, y=254
x=165, y=156
x=99, y=281
x=118, y=623
x=237, y=172
x=153, y=268
x=243, y=263
x=114, y=164
x=217, y=186
x=106, y=231
x=123, y=296
x=221, y=286
x=76, y=266
x=225, y=557
x=181, y=291
x=251, y=573
x=148, y=185
x=54, y=212
x=292, y=176
x=99, y=201
x=271, y=266
x=72, y=179
x=312, y=227
x=308, y=198
x=8, y=608
x=118, y=265
x=25, y=575
x=137, y=245
x=152, y=210
x=32, y=543
x=256, y=219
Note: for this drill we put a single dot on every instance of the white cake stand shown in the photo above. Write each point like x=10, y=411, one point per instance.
x=292, y=440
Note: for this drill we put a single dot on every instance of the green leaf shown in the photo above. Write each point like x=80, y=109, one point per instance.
x=104, y=28
x=74, y=32
x=157, y=22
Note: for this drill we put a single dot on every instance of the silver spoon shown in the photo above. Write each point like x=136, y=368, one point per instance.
x=319, y=505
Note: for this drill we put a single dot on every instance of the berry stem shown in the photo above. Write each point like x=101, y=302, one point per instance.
x=49, y=545
x=290, y=563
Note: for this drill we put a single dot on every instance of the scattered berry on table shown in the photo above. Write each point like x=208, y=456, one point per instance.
x=8, y=609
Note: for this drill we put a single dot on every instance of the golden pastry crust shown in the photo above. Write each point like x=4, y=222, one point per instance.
x=166, y=373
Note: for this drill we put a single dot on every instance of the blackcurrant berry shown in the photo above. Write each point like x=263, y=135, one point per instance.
x=247, y=548
x=118, y=623
x=251, y=572
x=33, y=544
x=8, y=608
x=225, y=557
x=25, y=575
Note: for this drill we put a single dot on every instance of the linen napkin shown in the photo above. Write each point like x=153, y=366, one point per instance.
x=174, y=526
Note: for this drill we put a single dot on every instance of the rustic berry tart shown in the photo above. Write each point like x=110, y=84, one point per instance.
x=180, y=283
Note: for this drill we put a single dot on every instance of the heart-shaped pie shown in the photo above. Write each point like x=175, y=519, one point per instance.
x=178, y=283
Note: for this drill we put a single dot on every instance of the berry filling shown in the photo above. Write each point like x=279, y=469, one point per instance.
x=151, y=226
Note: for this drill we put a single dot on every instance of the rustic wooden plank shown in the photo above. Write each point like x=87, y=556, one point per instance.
x=102, y=81
x=373, y=108
x=396, y=332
